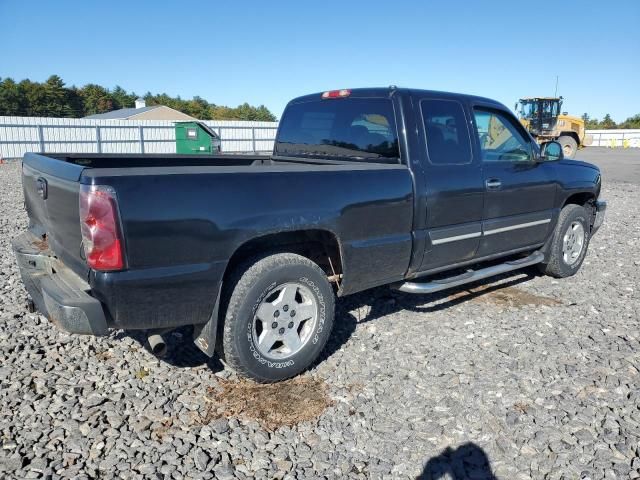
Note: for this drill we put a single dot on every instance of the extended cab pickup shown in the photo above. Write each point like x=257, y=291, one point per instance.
x=417, y=189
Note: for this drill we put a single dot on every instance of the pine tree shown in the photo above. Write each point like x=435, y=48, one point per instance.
x=11, y=99
x=53, y=99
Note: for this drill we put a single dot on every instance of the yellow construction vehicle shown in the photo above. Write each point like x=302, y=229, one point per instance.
x=544, y=120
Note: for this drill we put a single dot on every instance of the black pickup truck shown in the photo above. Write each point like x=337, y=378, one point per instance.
x=417, y=189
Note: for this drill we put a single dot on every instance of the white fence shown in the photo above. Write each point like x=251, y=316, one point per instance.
x=72, y=135
x=40, y=134
x=615, y=138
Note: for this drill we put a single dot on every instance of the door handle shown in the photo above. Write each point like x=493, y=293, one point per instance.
x=493, y=184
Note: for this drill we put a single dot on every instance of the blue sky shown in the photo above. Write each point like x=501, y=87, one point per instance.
x=270, y=51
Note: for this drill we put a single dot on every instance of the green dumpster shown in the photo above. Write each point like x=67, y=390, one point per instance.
x=196, y=137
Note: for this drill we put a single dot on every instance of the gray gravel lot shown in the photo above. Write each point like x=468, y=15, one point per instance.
x=617, y=165
x=529, y=377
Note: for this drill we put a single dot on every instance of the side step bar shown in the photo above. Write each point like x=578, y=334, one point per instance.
x=470, y=276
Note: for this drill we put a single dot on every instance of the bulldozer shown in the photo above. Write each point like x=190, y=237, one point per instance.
x=543, y=118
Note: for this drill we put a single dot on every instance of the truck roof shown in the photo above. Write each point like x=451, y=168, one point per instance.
x=384, y=92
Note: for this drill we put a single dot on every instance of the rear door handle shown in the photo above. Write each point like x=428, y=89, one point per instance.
x=493, y=184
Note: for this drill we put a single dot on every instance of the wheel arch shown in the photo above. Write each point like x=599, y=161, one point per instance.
x=318, y=245
x=584, y=199
x=572, y=134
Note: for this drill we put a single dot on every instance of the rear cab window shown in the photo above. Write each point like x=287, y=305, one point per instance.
x=447, y=132
x=351, y=129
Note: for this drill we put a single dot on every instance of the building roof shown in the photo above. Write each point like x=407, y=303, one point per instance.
x=130, y=113
x=121, y=114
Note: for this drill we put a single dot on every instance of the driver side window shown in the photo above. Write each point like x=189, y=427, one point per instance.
x=500, y=140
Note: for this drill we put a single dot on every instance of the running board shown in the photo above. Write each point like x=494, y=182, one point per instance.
x=470, y=276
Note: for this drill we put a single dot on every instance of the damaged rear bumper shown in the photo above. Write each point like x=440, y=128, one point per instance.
x=56, y=291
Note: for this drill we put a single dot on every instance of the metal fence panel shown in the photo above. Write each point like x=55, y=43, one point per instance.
x=19, y=135
x=615, y=138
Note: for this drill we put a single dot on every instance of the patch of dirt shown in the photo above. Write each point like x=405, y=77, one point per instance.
x=521, y=407
x=104, y=355
x=41, y=245
x=159, y=433
x=272, y=405
x=504, y=297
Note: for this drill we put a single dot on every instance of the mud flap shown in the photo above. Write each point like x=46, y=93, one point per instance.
x=204, y=335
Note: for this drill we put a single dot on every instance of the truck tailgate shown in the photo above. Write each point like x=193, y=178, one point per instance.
x=51, y=192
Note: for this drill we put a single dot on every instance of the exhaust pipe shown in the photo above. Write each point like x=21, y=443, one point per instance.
x=157, y=345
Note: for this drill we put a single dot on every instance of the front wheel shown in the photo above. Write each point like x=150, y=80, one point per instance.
x=569, y=243
x=279, y=317
x=569, y=146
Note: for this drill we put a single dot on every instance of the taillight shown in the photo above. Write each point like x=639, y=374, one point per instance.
x=100, y=226
x=337, y=93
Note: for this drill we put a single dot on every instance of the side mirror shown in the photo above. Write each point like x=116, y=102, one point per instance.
x=551, y=151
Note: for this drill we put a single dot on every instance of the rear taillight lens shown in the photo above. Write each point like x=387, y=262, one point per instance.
x=100, y=225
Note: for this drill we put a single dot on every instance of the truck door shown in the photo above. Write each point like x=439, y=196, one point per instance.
x=454, y=187
x=519, y=192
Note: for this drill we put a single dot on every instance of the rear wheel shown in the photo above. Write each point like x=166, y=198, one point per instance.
x=569, y=145
x=279, y=317
x=569, y=243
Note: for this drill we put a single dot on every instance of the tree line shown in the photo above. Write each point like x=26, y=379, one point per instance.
x=53, y=98
x=608, y=123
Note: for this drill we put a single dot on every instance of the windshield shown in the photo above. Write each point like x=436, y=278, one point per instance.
x=529, y=108
x=550, y=108
x=362, y=129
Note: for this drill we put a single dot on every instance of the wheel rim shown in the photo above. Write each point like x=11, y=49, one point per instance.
x=284, y=321
x=572, y=243
x=568, y=150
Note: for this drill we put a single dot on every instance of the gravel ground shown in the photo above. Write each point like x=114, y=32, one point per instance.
x=528, y=377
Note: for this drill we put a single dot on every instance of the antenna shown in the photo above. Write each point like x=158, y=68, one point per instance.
x=555, y=94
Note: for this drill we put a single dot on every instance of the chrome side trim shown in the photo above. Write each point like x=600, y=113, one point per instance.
x=455, y=238
x=516, y=227
x=465, y=236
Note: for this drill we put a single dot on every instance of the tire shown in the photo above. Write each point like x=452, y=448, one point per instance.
x=573, y=222
x=271, y=300
x=569, y=146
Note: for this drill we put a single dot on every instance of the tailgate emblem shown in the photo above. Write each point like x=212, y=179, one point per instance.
x=42, y=188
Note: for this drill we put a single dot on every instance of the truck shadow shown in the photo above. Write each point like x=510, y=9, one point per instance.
x=376, y=303
x=462, y=463
x=350, y=311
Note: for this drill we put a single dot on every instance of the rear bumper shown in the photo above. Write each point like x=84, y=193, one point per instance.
x=601, y=208
x=56, y=291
